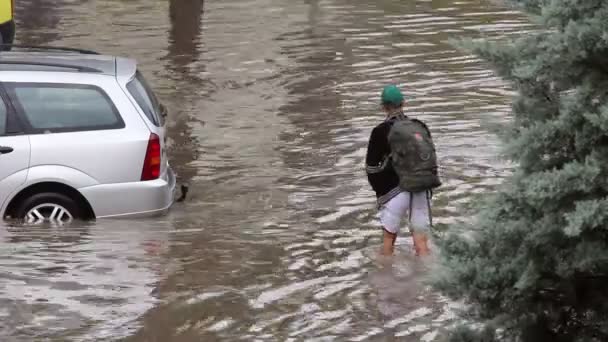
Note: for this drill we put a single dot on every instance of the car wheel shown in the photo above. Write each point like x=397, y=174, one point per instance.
x=50, y=208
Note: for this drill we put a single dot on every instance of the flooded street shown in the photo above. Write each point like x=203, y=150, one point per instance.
x=271, y=106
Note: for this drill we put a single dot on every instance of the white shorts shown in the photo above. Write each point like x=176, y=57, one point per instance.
x=415, y=207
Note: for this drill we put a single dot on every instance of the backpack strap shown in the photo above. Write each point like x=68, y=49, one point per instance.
x=391, y=120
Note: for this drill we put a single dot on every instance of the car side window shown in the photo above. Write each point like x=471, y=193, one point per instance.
x=65, y=108
x=3, y=118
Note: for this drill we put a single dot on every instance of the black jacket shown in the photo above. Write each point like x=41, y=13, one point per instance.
x=380, y=173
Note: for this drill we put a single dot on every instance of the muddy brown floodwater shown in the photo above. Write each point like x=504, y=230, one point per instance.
x=271, y=104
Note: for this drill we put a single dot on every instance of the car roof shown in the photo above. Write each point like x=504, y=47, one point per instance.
x=66, y=61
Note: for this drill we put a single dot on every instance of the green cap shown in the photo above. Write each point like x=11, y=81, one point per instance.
x=391, y=95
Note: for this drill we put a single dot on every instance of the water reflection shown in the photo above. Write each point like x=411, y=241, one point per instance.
x=34, y=28
x=54, y=280
x=184, y=50
x=185, y=32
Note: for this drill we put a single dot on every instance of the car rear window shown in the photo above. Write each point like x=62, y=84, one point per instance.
x=143, y=94
x=56, y=108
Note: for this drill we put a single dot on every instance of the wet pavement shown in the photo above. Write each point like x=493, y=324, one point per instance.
x=271, y=105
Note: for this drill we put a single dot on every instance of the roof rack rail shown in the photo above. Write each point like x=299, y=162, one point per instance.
x=47, y=48
x=51, y=65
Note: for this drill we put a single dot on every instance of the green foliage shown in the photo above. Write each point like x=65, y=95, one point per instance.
x=535, y=260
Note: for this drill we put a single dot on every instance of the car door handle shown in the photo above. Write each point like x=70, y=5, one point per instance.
x=5, y=149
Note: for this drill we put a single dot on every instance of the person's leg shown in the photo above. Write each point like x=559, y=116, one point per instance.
x=10, y=38
x=391, y=217
x=7, y=34
x=388, y=243
x=421, y=243
x=420, y=222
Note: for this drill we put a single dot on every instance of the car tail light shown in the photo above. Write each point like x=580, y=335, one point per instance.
x=151, y=169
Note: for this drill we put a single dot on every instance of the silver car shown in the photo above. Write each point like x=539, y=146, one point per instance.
x=82, y=136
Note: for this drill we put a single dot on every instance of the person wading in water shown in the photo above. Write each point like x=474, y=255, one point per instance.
x=401, y=168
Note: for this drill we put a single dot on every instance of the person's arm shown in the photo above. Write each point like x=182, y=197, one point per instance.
x=376, y=158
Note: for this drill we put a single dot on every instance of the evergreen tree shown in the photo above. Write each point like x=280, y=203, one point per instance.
x=534, y=262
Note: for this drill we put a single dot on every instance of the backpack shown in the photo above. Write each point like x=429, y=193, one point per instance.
x=413, y=155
